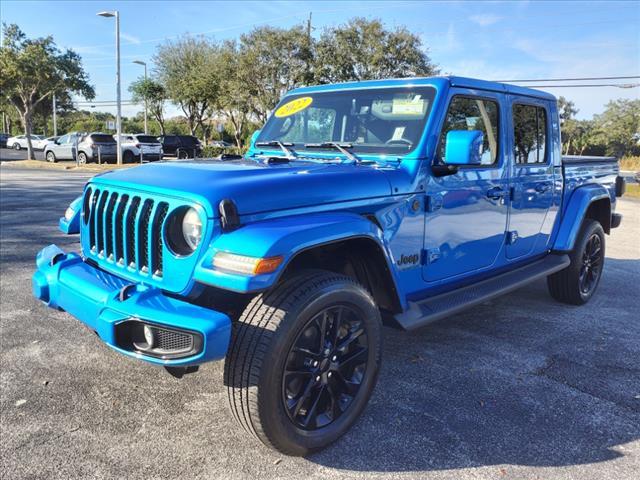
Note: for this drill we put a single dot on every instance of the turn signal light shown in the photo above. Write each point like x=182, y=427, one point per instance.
x=246, y=265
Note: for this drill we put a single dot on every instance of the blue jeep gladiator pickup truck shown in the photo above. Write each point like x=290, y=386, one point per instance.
x=395, y=202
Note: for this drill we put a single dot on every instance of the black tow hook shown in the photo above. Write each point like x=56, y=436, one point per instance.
x=125, y=292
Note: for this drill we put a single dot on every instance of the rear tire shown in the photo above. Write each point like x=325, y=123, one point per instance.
x=293, y=387
x=82, y=158
x=577, y=283
x=128, y=157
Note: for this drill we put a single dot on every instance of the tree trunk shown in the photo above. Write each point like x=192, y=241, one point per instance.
x=28, y=127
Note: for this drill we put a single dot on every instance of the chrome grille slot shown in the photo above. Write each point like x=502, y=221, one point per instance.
x=100, y=223
x=131, y=232
x=119, y=221
x=108, y=229
x=143, y=235
x=157, y=241
x=92, y=224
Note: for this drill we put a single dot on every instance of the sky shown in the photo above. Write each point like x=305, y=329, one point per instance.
x=508, y=40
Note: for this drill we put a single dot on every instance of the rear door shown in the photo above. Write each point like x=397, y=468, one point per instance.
x=532, y=180
x=466, y=213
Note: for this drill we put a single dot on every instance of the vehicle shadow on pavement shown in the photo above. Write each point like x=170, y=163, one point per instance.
x=523, y=380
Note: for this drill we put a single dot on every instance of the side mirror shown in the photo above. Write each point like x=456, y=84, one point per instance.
x=463, y=147
x=254, y=137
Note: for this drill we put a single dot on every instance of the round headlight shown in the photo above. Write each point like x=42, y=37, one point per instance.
x=69, y=213
x=192, y=228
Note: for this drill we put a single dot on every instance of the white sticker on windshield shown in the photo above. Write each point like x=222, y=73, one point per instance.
x=408, y=106
x=398, y=133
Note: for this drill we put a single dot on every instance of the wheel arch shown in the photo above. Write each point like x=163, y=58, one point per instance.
x=589, y=201
x=359, y=257
x=340, y=242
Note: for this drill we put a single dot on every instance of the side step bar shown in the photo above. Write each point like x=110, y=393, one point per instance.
x=434, y=308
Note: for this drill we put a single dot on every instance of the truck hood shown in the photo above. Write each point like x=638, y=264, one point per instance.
x=255, y=187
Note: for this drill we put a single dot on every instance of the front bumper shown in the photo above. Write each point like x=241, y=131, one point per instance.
x=105, y=303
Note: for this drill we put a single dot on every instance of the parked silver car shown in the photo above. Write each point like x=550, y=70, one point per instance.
x=90, y=147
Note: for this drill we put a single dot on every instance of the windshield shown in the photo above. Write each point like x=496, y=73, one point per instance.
x=383, y=121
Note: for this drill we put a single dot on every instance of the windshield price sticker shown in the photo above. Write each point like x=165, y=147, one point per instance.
x=294, y=106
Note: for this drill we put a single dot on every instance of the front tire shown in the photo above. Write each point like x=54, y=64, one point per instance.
x=51, y=157
x=303, y=361
x=577, y=283
x=17, y=146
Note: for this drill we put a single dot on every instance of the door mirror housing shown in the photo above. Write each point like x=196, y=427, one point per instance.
x=464, y=147
x=254, y=137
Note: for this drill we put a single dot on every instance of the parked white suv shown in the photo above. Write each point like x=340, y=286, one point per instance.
x=133, y=146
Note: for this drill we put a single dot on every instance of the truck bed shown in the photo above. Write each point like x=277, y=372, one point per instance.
x=588, y=170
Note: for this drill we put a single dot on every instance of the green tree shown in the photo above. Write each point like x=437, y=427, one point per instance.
x=270, y=62
x=155, y=95
x=33, y=70
x=566, y=109
x=365, y=50
x=618, y=127
x=187, y=68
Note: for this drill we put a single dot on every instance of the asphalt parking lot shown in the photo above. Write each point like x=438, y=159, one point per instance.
x=522, y=387
x=10, y=155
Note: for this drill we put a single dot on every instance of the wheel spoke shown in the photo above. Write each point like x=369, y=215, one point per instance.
x=354, y=359
x=306, y=352
x=322, y=326
x=335, y=401
x=313, y=411
x=347, y=387
x=337, y=323
x=305, y=395
x=344, y=344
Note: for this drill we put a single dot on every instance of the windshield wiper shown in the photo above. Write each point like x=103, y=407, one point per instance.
x=283, y=146
x=341, y=147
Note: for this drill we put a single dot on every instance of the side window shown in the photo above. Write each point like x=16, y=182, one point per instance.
x=64, y=139
x=467, y=113
x=529, y=134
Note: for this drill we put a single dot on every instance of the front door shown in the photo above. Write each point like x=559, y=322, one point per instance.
x=532, y=179
x=466, y=213
x=64, y=148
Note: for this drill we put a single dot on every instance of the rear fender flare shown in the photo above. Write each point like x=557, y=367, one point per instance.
x=574, y=214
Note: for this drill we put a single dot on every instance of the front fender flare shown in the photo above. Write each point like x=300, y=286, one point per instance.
x=285, y=236
x=574, y=214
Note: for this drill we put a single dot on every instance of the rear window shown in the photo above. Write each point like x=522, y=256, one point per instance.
x=103, y=138
x=147, y=139
x=188, y=140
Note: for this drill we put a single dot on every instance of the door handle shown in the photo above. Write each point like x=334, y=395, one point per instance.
x=496, y=193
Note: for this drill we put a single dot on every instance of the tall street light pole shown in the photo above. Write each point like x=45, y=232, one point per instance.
x=116, y=14
x=140, y=62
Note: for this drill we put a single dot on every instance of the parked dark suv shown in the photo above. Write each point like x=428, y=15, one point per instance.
x=182, y=146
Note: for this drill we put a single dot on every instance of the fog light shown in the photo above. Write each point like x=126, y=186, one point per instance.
x=149, y=337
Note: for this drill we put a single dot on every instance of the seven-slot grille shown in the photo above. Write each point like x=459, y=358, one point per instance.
x=125, y=229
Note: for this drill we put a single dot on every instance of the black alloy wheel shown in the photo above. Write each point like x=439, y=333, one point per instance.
x=325, y=367
x=577, y=283
x=591, y=264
